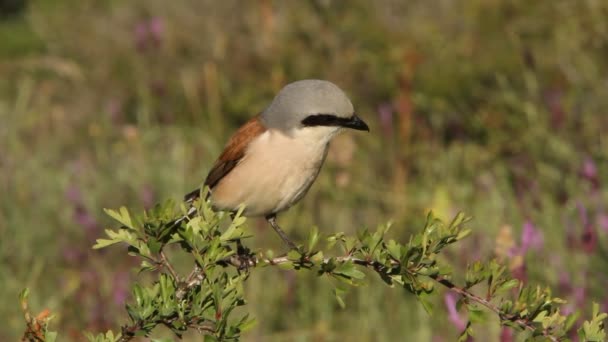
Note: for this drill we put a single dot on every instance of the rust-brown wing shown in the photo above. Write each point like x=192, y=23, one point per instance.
x=232, y=154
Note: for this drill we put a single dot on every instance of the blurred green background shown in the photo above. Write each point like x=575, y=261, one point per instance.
x=492, y=107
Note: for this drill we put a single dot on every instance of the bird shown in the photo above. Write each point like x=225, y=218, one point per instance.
x=271, y=161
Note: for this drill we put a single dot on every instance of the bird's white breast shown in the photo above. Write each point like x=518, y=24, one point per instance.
x=276, y=172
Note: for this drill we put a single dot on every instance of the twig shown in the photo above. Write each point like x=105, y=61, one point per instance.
x=35, y=325
x=165, y=262
x=252, y=262
x=194, y=279
x=128, y=332
x=197, y=275
x=522, y=322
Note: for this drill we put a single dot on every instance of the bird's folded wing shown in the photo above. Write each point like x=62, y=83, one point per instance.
x=233, y=152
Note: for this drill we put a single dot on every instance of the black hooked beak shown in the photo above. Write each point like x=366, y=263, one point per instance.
x=355, y=122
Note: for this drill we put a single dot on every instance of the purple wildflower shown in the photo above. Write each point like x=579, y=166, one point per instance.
x=454, y=317
x=582, y=212
x=158, y=88
x=156, y=29
x=553, y=100
x=589, y=172
x=588, y=238
x=120, y=290
x=506, y=334
x=148, y=33
x=385, y=114
x=602, y=221
x=86, y=220
x=579, y=295
x=72, y=254
x=81, y=215
x=565, y=283
x=73, y=194
x=115, y=109
x=520, y=272
x=531, y=238
x=141, y=35
x=147, y=196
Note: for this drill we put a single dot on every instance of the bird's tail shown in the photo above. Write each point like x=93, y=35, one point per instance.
x=189, y=199
x=189, y=215
x=195, y=194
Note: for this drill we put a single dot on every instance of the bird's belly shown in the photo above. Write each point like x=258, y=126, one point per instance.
x=267, y=181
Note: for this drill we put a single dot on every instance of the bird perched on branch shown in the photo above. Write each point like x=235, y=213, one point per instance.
x=272, y=160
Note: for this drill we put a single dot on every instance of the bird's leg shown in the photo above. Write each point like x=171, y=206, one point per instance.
x=243, y=254
x=240, y=249
x=272, y=219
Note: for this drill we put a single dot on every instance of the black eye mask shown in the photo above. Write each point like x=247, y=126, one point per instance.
x=331, y=120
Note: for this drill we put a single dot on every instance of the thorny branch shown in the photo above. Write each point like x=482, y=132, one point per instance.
x=193, y=280
x=34, y=331
x=165, y=262
x=395, y=263
x=463, y=292
x=128, y=332
x=379, y=268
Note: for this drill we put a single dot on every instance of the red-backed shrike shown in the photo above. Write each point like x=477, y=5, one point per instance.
x=272, y=160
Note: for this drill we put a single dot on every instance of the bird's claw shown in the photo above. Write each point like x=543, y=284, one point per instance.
x=244, y=258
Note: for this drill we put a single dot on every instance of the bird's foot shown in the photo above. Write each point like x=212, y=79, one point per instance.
x=244, y=258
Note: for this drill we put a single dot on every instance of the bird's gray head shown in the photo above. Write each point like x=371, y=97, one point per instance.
x=308, y=104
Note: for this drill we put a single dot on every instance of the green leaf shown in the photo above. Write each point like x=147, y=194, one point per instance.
x=348, y=269
x=108, y=337
x=507, y=285
x=121, y=216
x=115, y=237
x=349, y=243
x=557, y=300
x=50, y=336
x=571, y=319
x=247, y=324
x=233, y=231
x=394, y=249
x=423, y=298
x=540, y=317
x=313, y=238
x=339, y=293
x=210, y=338
x=146, y=266
x=154, y=245
x=317, y=257
x=23, y=295
x=459, y=220
x=594, y=330
x=101, y=243
x=463, y=234
x=466, y=334
x=294, y=255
